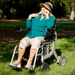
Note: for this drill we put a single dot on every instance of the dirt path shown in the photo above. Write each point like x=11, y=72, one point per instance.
x=12, y=36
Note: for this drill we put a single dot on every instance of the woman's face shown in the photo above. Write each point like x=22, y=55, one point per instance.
x=43, y=9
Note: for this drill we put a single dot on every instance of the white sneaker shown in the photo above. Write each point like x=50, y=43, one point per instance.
x=18, y=65
x=15, y=65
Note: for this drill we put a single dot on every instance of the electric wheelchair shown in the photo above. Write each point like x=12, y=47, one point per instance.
x=45, y=51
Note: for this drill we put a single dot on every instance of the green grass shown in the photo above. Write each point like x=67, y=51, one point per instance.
x=63, y=26
x=64, y=47
x=11, y=25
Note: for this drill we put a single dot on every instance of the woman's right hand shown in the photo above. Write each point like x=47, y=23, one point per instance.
x=33, y=15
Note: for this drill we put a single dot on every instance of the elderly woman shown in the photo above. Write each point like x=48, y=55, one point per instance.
x=38, y=23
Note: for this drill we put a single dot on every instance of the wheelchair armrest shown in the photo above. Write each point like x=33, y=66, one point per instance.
x=50, y=29
x=17, y=28
x=50, y=33
x=25, y=29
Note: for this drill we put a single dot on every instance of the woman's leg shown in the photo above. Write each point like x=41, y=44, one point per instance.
x=18, y=62
x=35, y=45
x=25, y=42
x=20, y=55
x=32, y=54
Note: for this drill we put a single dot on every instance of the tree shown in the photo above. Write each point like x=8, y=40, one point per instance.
x=61, y=7
x=22, y=7
x=72, y=17
x=5, y=5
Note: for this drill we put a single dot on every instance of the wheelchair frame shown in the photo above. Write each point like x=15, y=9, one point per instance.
x=60, y=59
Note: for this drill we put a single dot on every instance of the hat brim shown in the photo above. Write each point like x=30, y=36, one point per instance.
x=41, y=4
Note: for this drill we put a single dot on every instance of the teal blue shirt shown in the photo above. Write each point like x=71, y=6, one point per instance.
x=38, y=26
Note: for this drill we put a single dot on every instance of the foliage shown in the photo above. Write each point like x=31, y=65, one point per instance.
x=25, y=7
x=62, y=7
x=5, y=5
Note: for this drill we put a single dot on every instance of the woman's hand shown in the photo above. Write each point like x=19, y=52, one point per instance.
x=47, y=14
x=33, y=15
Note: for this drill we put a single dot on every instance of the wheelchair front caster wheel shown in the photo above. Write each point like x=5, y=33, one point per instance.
x=61, y=60
x=44, y=67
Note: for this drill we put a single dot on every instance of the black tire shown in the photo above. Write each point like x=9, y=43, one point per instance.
x=44, y=67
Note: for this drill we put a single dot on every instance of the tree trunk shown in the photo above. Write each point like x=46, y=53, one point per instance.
x=72, y=17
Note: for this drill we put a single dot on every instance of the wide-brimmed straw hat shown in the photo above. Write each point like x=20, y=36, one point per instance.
x=48, y=5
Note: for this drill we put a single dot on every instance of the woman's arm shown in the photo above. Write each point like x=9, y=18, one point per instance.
x=33, y=15
x=29, y=20
x=28, y=23
x=50, y=22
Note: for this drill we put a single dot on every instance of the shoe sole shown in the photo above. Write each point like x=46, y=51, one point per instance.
x=15, y=67
x=31, y=69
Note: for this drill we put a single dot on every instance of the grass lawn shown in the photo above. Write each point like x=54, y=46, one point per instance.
x=11, y=25
x=64, y=47
x=64, y=26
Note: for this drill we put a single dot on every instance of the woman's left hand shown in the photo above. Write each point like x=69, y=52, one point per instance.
x=47, y=14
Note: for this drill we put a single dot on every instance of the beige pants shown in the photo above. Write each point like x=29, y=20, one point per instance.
x=33, y=42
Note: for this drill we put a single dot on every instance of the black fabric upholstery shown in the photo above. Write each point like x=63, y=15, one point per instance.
x=50, y=32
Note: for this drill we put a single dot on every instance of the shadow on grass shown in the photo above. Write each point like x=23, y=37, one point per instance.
x=16, y=69
x=50, y=60
x=6, y=51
